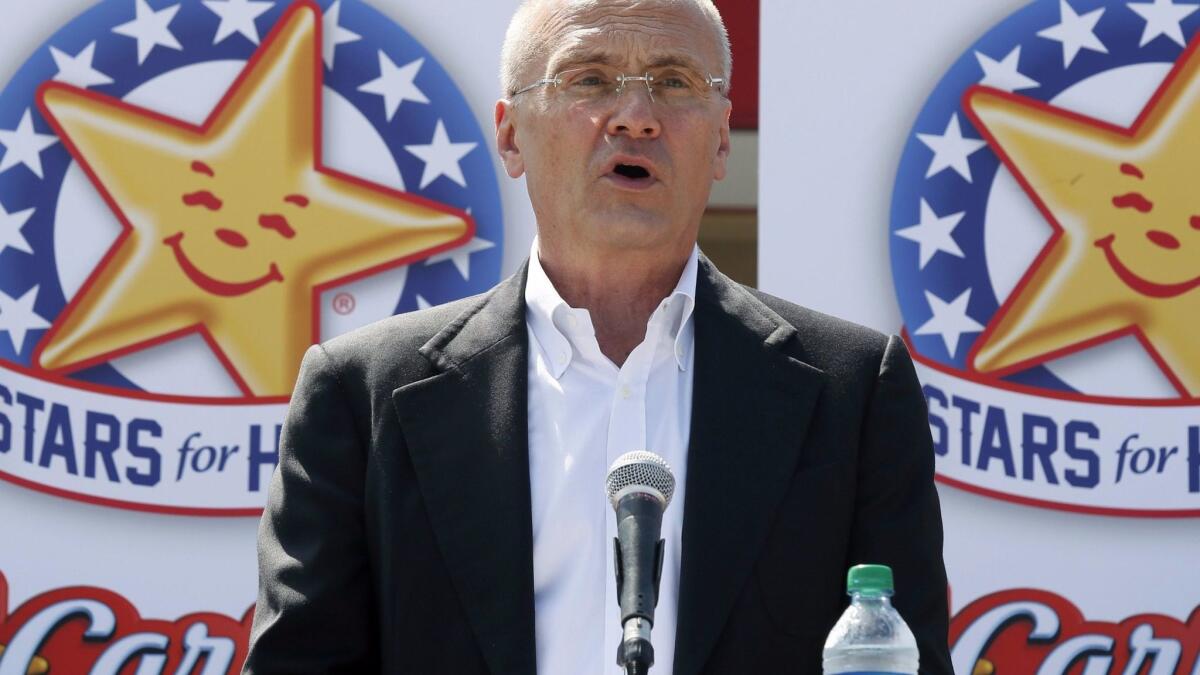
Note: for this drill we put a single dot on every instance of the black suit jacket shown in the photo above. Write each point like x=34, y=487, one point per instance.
x=397, y=535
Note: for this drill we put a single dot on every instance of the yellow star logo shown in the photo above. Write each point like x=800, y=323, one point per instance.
x=232, y=228
x=1124, y=257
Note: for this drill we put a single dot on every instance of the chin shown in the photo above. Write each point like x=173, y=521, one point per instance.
x=633, y=228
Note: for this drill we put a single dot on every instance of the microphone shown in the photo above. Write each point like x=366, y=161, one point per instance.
x=640, y=486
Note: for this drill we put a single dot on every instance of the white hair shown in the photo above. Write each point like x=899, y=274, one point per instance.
x=525, y=43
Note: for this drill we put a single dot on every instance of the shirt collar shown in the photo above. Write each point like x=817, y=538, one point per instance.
x=547, y=314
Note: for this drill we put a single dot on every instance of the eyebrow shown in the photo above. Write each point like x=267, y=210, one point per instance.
x=676, y=60
x=201, y=167
x=577, y=57
x=1131, y=170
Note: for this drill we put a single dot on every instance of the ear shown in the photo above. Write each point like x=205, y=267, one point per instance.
x=506, y=139
x=722, y=158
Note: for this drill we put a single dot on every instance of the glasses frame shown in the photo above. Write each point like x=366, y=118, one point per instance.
x=714, y=83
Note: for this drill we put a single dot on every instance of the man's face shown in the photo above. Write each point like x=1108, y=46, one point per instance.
x=577, y=154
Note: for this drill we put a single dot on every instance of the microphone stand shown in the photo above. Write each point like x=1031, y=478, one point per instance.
x=636, y=653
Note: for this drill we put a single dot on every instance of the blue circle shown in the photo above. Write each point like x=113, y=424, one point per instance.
x=1041, y=58
x=194, y=26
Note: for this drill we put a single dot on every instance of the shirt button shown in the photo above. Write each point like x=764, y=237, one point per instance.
x=572, y=321
x=625, y=391
x=679, y=351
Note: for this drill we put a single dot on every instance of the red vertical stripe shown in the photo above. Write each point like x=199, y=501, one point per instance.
x=741, y=20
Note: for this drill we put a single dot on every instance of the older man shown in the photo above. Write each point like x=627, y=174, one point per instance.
x=438, y=506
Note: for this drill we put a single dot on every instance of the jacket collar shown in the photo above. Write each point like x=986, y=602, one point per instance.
x=751, y=405
x=465, y=428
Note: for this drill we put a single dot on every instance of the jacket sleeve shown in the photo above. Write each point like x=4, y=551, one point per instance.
x=314, y=612
x=898, y=520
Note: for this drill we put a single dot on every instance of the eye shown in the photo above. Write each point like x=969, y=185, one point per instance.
x=671, y=81
x=1133, y=200
x=278, y=223
x=590, y=78
x=203, y=198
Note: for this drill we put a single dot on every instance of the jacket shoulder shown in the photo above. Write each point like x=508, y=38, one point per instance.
x=388, y=350
x=826, y=341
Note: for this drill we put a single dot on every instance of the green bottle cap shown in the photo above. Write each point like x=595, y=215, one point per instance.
x=870, y=580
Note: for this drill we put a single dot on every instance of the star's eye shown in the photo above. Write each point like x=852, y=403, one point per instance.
x=1133, y=200
x=274, y=221
x=203, y=198
x=298, y=200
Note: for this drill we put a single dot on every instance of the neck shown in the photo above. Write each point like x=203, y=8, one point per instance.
x=620, y=289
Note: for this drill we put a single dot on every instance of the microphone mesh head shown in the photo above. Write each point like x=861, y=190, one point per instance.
x=640, y=469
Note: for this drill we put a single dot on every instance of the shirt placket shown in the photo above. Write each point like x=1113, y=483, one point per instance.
x=627, y=432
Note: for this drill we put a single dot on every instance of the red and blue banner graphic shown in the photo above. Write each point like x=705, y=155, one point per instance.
x=191, y=194
x=1045, y=245
x=93, y=630
x=1034, y=631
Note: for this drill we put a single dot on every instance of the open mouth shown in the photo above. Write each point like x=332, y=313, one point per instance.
x=1137, y=283
x=631, y=172
x=216, y=286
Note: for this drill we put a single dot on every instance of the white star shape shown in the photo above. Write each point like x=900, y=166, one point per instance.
x=150, y=29
x=395, y=84
x=77, y=70
x=333, y=34
x=441, y=157
x=1163, y=17
x=23, y=145
x=237, y=16
x=461, y=256
x=422, y=303
x=934, y=233
x=10, y=230
x=18, y=318
x=1075, y=32
x=951, y=149
x=1003, y=74
x=949, y=320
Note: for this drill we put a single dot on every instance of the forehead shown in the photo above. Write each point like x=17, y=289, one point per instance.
x=628, y=33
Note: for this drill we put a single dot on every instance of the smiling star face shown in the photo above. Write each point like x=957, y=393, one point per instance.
x=1154, y=246
x=1124, y=256
x=228, y=241
x=233, y=228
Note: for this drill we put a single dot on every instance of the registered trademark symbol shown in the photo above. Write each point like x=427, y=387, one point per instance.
x=343, y=303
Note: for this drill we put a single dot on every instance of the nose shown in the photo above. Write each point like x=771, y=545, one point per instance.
x=234, y=239
x=635, y=114
x=1163, y=239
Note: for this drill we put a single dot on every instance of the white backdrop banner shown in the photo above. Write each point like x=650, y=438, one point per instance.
x=1008, y=185
x=166, y=256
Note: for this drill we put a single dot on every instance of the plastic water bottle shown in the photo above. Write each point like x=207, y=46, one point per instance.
x=870, y=638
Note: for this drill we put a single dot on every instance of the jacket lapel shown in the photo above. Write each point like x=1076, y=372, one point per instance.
x=466, y=433
x=751, y=407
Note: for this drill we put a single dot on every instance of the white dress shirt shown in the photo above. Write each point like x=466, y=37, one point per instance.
x=584, y=412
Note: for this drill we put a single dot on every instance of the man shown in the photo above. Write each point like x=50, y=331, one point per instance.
x=439, y=506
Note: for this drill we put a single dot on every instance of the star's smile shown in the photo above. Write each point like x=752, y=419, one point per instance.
x=1137, y=283
x=216, y=286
